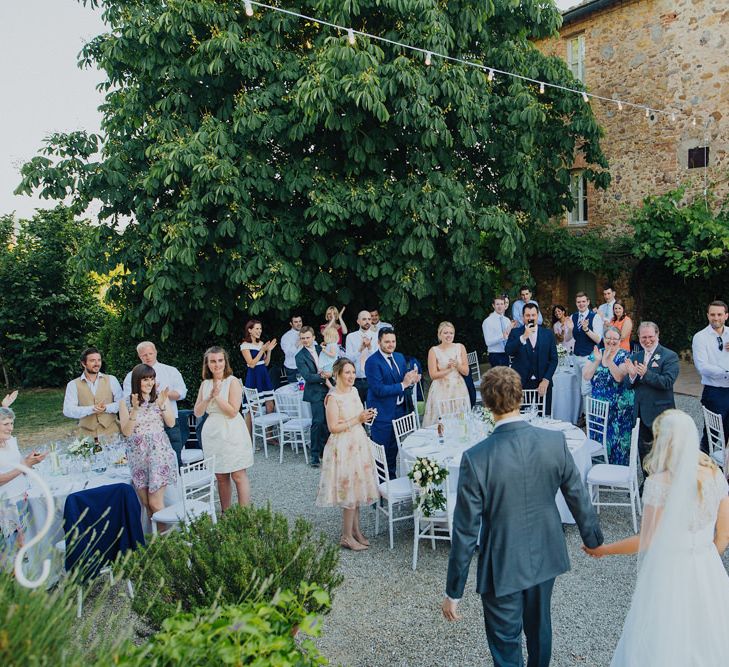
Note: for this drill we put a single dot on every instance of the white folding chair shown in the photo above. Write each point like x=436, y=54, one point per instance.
x=393, y=492
x=198, y=496
x=190, y=455
x=716, y=437
x=475, y=369
x=454, y=406
x=404, y=426
x=596, y=418
x=296, y=430
x=618, y=479
x=266, y=426
x=438, y=526
x=418, y=406
x=531, y=400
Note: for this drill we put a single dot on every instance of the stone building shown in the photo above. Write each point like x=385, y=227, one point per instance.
x=664, y=54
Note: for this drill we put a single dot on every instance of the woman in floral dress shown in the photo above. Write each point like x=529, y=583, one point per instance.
x=606, y=370
x=348, y=478
x=143, y=417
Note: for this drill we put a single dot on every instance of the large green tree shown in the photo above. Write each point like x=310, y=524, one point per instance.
x=267, y=162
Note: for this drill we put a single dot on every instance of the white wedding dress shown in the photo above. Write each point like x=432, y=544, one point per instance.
x=679, y=615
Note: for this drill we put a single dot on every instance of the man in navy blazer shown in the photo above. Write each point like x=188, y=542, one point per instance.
x=387, y=380
x=315, y=390
x=533, y=350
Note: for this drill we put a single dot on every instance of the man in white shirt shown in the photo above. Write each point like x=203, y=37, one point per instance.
x=587, y=329
x=606, y=309
x=291, y=344
x=711, y=357
x=517, y=308
x=93, y=398
x=167, y=377
x=496, y=328
x=378, y=324
x=360, y=345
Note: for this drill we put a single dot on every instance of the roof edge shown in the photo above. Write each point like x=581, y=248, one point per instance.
x=586, y=9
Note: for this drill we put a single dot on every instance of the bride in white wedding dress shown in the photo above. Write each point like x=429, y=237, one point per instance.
x=679, y=615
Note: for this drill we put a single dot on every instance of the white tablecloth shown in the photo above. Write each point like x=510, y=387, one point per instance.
x=424, y=442
x=293, y=389
x=566, y=397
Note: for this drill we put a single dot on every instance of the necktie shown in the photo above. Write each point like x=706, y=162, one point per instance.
x=391, y=363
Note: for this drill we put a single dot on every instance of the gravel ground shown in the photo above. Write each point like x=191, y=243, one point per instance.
x=386, y=614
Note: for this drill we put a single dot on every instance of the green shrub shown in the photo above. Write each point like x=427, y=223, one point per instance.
x=254, y=633
x=249, y=552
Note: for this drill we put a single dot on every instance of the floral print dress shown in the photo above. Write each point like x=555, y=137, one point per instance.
x=151, y=458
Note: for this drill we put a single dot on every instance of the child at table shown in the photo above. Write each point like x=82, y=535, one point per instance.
x=330, y=352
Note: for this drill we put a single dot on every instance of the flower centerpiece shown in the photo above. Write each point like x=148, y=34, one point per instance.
x=562, y=355
x=427, y=474
x=488, y=417
x=82, y=447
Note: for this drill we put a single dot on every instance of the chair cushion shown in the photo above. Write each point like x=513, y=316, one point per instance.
x=271, y=418
x=400, y=488
x=176, y=513
x=607, y=474
x=189, y=456
x=297, y=424
x=596, y=448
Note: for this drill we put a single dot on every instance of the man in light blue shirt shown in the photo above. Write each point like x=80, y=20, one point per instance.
x=517, y=308
x=606, y=309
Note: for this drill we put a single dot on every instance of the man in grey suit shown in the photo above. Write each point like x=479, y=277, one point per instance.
x=506, y=510
x=652, y=372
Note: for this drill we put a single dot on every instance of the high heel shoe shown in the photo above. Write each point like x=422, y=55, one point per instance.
x=351, y=543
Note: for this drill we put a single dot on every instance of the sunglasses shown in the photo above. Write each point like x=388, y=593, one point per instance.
x=720, y=341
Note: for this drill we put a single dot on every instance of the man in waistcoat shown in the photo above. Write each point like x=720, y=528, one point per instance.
x=93, y=398
x=587, y=331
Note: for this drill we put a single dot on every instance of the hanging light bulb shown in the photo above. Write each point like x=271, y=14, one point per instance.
x=491, y=75
x=541, y=87
x=350, y=36
x=693, y=122
x=585, y=97
x=427, y=58
x=673, y=117
x=647, y=112
x=620, y=105
x=249, y=8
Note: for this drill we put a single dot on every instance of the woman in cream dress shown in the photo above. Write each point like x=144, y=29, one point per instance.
x=224, y=433
x=447, y=364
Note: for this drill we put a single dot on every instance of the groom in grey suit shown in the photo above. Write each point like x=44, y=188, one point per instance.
x=506, y=510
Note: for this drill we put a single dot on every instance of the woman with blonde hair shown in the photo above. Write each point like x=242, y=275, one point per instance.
x=447, y=364
x=333, y=318
x=682, y=583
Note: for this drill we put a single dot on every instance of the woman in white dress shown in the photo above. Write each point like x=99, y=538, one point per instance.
x=679, y=614
x=224, y=433
x=447, y=364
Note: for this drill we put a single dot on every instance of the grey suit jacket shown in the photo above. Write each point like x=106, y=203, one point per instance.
x=506, y=497
x=654, y=391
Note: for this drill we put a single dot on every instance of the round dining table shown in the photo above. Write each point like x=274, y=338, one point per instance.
x=460, y=436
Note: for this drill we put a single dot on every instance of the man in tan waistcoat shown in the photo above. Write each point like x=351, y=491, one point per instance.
x=93, y=398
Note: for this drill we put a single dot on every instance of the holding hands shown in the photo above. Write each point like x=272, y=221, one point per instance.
x=597, y=552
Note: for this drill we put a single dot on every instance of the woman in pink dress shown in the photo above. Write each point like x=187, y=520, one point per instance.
x=348, y=479
x=447, y=364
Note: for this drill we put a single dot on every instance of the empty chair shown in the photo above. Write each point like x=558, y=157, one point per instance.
x=394, y=492
x=532, y=402
x=596, y=418
x=296, y=430
x=716, y=437
x=618, y=479
x=266, y=426
x=198, y=496
x=191, y=451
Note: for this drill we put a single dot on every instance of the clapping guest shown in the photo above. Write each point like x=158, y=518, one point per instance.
x=143, y=417
x=307, y=364
x=13, y=484
x=348, y=478
x=224, y=434
x=447, y=363
x=606, y=309
x=360, y=345
x=496, y=328
x=562, y=327
x=290, y=344
x=377, y=323
x=622, y=323
x=606, y=371
x=257, y=356
x=334, y=319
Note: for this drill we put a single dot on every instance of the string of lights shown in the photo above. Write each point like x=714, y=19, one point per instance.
x=429, y=55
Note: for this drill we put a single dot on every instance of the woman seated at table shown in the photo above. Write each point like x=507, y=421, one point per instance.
x=622, y=323
x=447, y=364
x=348, y=478
x=143, y=417
x=606, y=369
x=562, y=327
x=13, y=484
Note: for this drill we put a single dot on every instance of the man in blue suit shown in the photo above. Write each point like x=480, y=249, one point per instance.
x=533, y=350
x=387, y=380
x=315, y=390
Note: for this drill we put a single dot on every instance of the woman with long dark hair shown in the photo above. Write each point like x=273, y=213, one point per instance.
x=257, y=356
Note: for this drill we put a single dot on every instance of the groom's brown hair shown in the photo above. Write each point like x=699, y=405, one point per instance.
x=501, y=390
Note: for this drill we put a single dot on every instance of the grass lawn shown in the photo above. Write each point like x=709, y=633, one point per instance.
x=39, y=417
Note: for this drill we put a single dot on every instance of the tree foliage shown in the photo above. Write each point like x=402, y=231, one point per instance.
x=689, y=237
x=266, y=162
x=48, y=310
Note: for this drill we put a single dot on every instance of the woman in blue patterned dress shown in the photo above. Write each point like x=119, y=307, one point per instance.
x=606, y=369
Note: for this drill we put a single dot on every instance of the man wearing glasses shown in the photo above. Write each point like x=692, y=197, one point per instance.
x=711, y=357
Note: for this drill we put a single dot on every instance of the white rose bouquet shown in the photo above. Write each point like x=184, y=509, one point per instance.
x=82, y=447
x=561, y=352
x=427, y=474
